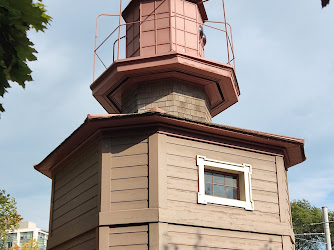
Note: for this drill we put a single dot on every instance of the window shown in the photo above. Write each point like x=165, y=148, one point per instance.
x=25, y=236
x=224, y=183
x=11, y=239
x=221, y=184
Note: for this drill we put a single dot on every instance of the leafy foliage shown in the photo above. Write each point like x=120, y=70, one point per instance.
x=16, y=19
x=324, y=3
x=303, y=215
x=32, y=244
x=9, y=218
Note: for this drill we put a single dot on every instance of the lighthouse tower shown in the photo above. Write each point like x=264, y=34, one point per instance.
x=155, y=172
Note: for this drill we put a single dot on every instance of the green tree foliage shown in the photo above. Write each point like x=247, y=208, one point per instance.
x=17, y=17
x=303, y=215
x=9, y=218
x=324, y=3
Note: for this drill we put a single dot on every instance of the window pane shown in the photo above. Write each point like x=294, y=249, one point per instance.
x=208, y=189
x=219, y=179
x=231, y=193
x=208, y=177
x=219, y=191
x=231, y=181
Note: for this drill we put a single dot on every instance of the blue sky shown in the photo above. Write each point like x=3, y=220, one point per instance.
x=285, y=68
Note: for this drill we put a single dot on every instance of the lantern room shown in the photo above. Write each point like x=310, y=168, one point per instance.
x=159, y=26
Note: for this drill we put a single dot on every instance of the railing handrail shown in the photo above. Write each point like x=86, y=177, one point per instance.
x=227, y=30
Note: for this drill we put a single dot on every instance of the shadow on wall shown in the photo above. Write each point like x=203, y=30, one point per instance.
x=197, y=245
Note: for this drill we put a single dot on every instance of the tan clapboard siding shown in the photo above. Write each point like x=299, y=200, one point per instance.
x=81, y=189
x=230, y=213
x=283, y=191
x=130, y=140
x=191, y=197
x=129, y=195
x=84, y=176
x=192, y=174
x=75, y=196
x=268, y=186
x=133, y=237
x=134, y=247
x=188, y=161
x=129, y=173
x=182, y=182
x=130, y=183
x=130, y=160
x=70, y=171
x=82, y=242
x=260, y=182
x=189, y=148
x=287, y=244
x=75, y=202
x=89, y=206
x=129, y=149
x=192, y=186
x=183, y=237
x=128, y=205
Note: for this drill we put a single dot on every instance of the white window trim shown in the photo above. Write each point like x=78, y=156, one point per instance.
x=240, y=169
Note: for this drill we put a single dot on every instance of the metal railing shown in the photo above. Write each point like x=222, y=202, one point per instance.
x=117, y=38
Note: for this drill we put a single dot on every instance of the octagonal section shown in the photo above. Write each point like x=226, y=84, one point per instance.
x=217, y=80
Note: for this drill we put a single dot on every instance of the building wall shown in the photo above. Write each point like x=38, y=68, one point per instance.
x=75, y=196
x=269, y=223
x=84, y=241
x=128, y=172
x=129, y=238
x=174, y=96
x=27, y=230
x=141, y=191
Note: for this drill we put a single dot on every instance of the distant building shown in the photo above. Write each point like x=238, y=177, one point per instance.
x=24, y=233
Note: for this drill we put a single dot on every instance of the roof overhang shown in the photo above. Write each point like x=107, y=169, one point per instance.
x=218, y=80
x=291, y=148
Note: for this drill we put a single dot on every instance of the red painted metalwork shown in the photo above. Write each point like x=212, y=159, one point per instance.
x=172, y=16
x=96, y=29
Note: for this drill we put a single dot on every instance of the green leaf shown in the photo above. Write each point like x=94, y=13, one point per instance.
x=17, y=17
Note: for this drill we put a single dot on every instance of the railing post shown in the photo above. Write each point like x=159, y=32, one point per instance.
x=228, y=50
x=119, y=28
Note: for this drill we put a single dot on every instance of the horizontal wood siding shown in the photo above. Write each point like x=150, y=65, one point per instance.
x=129, y=173
x=86, y=241
x=124, y=238
x=282, y=179
x=184, y=237
x=182, y=181
x=75, y=194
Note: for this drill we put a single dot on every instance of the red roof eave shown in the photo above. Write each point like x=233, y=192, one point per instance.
x=293, y=147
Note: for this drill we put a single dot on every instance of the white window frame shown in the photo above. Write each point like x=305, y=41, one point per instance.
x=242, y=170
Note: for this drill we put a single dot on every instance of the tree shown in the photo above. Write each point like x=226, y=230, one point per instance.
x=30, y=245
x=303, y=215
x=324, y=3
x=9, y=218
x=16, y=19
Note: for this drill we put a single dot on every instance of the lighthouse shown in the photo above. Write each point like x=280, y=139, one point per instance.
x=155, y=172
